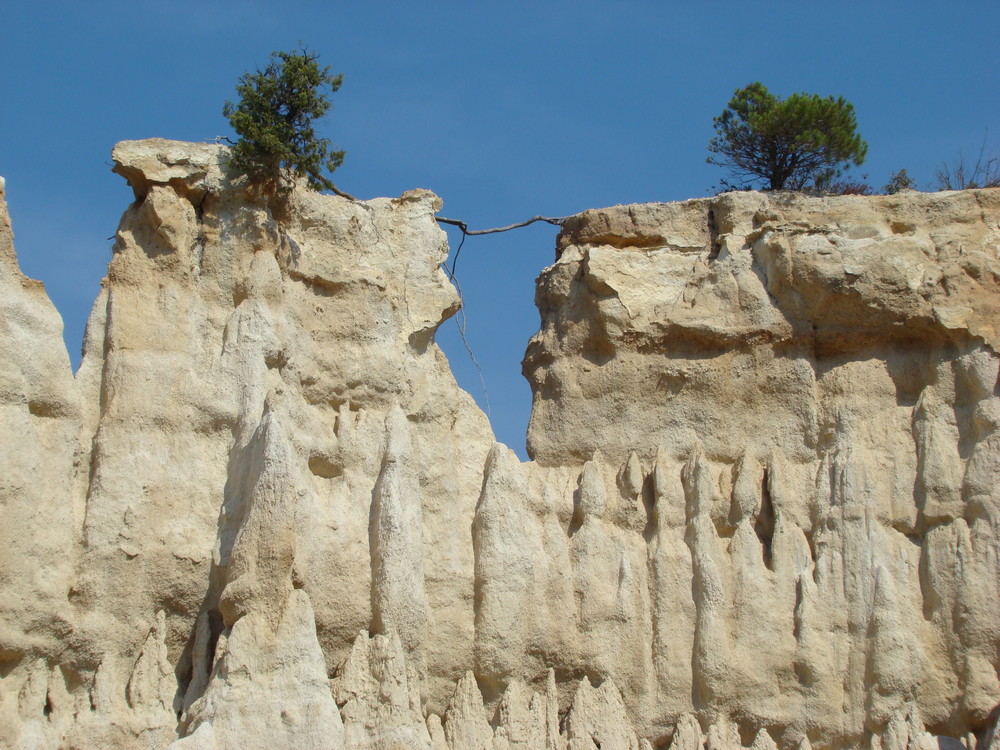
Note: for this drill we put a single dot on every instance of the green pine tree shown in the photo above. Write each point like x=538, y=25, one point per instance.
x=802, y=141
x=274, y=119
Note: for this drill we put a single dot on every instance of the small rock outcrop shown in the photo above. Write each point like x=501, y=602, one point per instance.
x=761, y=512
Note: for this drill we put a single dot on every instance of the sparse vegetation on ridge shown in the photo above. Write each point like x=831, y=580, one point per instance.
x=962, y=174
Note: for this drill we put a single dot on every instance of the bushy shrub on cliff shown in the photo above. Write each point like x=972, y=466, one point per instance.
x=802, y=141
x=274, y=117
x=898, y=182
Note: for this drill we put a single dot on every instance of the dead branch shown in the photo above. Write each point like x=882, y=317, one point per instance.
x=965, y=175
x=465, y=227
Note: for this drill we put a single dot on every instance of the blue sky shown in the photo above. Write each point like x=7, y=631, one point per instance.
x=506, y=110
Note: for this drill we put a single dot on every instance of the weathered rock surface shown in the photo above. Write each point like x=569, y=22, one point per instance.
x=810, y=386
x=762, y=511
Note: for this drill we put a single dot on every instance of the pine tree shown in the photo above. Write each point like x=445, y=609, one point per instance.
x=274, y=119
x=802, y=141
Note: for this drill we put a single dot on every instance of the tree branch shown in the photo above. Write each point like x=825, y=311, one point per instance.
x=337, y=191
x=558, y=221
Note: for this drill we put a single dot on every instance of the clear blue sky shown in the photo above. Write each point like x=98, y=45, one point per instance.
x=506, y=110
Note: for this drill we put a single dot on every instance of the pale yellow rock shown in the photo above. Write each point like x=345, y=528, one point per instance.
x=380, y=696
x=687, y=734
x=434, y=727
x=763, y=509
x=41, y=491
x=399, y=604
x=466, y=725
x=269, y=686
x=522, y=718
x=835, y=360
x=598, y=719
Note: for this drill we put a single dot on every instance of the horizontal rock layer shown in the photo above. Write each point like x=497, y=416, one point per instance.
x=761, y=512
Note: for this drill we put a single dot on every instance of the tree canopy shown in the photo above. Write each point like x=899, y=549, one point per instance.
x=274, y=117
x=802, y=141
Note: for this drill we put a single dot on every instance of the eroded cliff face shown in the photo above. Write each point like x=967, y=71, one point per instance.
x=801, y=394
x=762, y=508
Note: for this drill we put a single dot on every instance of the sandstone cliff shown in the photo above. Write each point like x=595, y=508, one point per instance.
x=762, y=508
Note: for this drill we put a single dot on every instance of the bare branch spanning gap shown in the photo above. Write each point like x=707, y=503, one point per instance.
x=463, y=321
x=558, y=220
